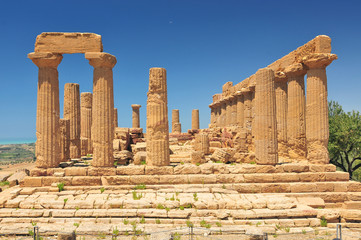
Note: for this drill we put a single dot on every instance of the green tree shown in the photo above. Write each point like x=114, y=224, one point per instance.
x=345, y=139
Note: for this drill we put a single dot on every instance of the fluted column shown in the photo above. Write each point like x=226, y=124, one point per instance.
x=157, y=136
x=202, y=143
x=240, y=110
x=247, y=108
x=115, y=117
x=265, y=118
x=317, y=126
x=86, y=99
x=64, y=140
x=102, y=132
x=223, y=114
x=136, y=115
x=296, y=120
x=47, y=150
x=175, y=121
x=233, y=110
x=72, y=112
x=195, y=119
x=281, y=112
x=213, y=116
x=228, y=112
x=218, y=114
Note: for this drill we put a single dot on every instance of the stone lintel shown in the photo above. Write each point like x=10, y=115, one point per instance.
x=46, y=59
x=59, y=42
x=295, y=70
x=101, y=59
x=280, y=77
x=318, y=60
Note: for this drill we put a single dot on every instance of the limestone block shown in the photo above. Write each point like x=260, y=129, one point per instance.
x=58, y=42
x=123, y=157
x=221, y=155
x=139, y=157
x=187, y=169
x=314, y=202
x=130, y=170
x=123, y=139
x=197, y=157
x=161, y=170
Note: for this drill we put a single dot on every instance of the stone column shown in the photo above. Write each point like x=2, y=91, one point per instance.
x=115, y=117
x=72, y=112
x=103, y=107
x=195, y=119
x=64, y=140
x=47, y=150
x=281, y=112
x=296, y=125
x=247, y=108
x=135, y=116
x=240, y=110
x=202, y=143
x=175, y=121
x=265, y=114
x=233, y=110
x=317, y=128
x=157, y=119
x=223, y=113
x=218, y=114
x=86, y=99
x=228, y=112
x=213, y=116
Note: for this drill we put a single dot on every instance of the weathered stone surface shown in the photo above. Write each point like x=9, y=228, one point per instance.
x=136, y=115
x=197, y=157
x=266, y=128
x=72, y=113
x=175, y=121
x=202, y=143
x=64, y=140
x=317, y=132
x=140, y=157
x=221, y=155
x=103, y=107
x=157, y=119
x=58, y=42
x=281, y=112
x=195, y=119
x=47, y=150
x=86, y=121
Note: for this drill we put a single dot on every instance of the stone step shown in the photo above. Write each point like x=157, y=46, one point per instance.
x=196, y=178
x=152, y=225
x=241, y=214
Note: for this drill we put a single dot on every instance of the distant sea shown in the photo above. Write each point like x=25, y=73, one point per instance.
x=17, y=141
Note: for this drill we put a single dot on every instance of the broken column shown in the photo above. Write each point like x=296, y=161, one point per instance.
x=265, y=118
x=86, y=99
x=176, y=126
x=103, y=108
x=135, y=116
x=72, y=112
x=157, y=119
x=317, y=126
x=281, y=112
x=47, y=150
x=115, y=117
x=202, y=143
x=195, y=119
x=296, y=120
x=64, y=140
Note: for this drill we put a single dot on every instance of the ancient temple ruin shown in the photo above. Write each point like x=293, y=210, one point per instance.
x=262, y=161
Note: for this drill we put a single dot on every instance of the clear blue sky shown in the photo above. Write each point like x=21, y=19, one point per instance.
x=202, y=44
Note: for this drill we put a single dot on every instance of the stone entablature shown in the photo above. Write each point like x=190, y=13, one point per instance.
x=296, y=118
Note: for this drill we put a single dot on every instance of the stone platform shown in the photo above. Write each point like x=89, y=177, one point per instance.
x=221, y=197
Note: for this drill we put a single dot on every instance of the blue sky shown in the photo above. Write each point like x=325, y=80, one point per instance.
x=202, y=44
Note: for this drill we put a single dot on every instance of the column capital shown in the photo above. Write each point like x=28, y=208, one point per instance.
x=136, y=106
x=45, y=59
x=101, y=59
x=280, y=77
x=295, y=70
x=318, y=60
